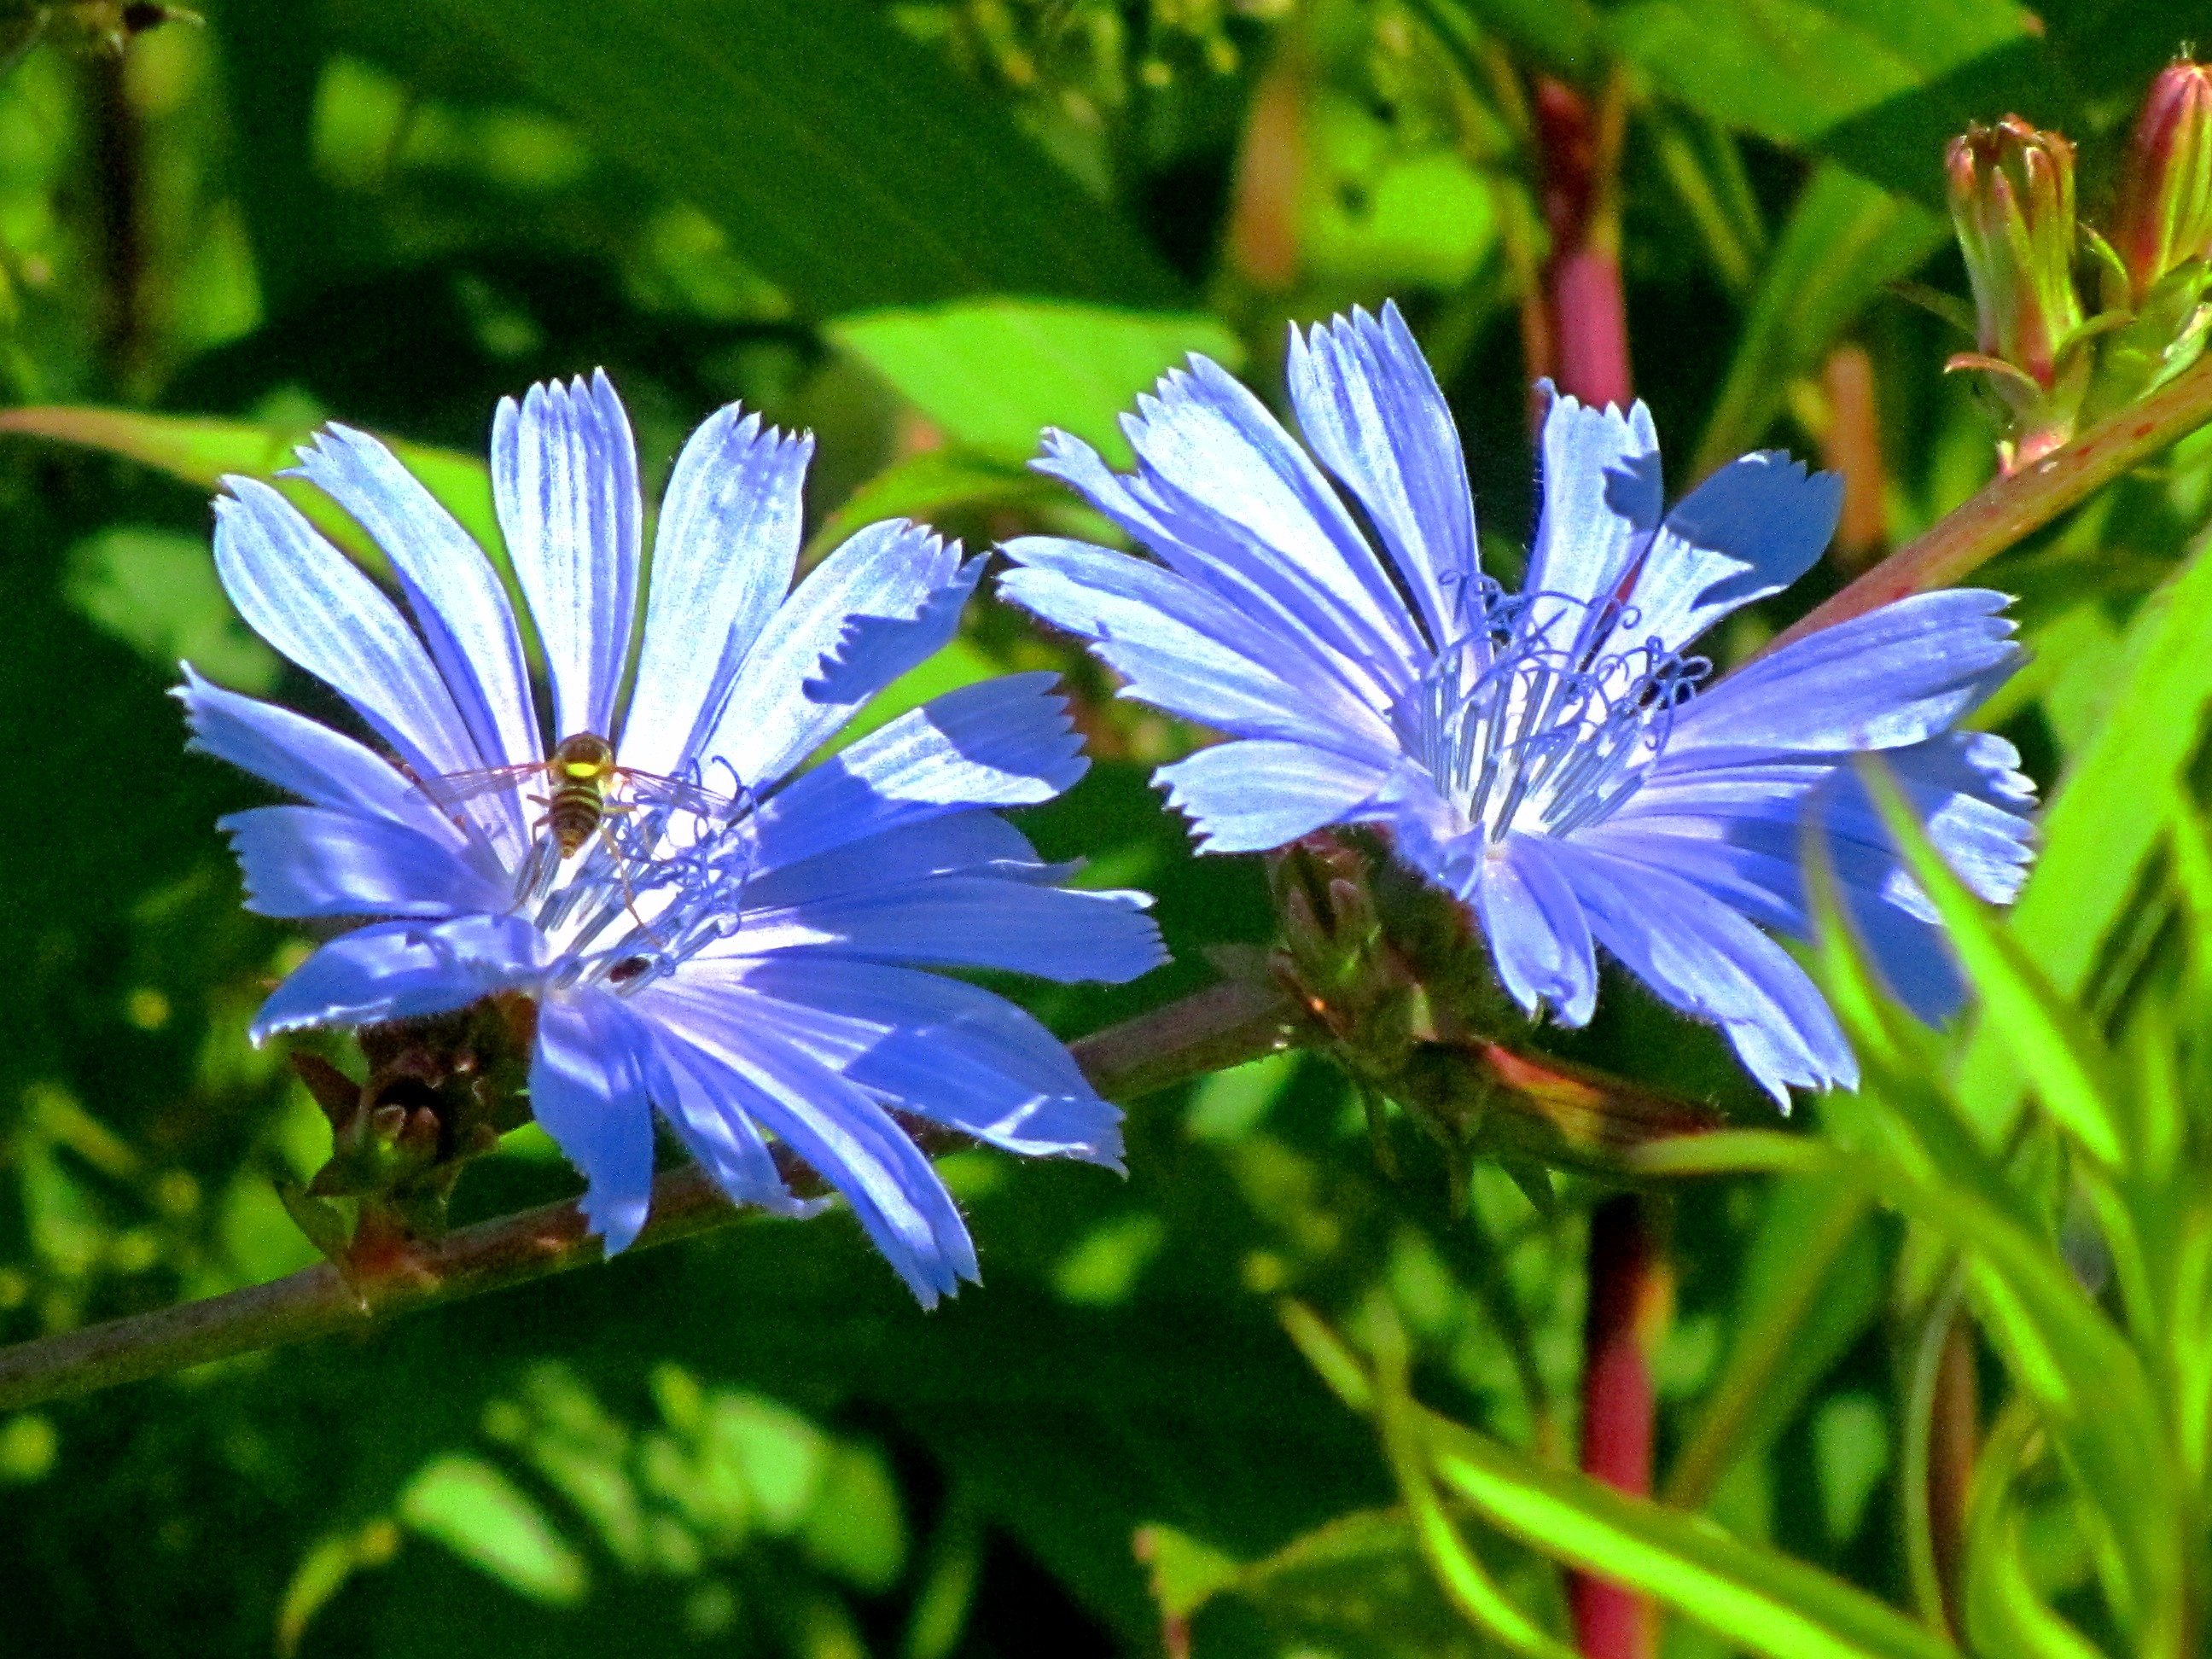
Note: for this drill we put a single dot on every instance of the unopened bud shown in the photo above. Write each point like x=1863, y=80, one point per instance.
x=2012, y=199
x=2165, y=216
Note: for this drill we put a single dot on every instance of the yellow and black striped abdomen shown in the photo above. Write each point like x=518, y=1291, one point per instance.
x=581, y=768
x=573, y=813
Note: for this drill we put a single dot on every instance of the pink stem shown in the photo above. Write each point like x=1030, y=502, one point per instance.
x=1586, y=314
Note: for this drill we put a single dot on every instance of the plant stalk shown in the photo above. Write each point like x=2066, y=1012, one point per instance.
x=1585, y=311
x=2016, y=505
x=1223, y=1025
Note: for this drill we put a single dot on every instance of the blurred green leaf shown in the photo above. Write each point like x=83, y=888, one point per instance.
x=994, y=374
x=1845, y=238
x=847, y=161
x=1765, y=1601
x=1811, y=1286
x=2003, y=1613
x=1356, y=1589
x=2097, y=833
x=854, y=1528
x=156, y=592
x=200, y=450
x=1879, y=83
x=936, y=482
x=2051, y=1038
x=482, y=1517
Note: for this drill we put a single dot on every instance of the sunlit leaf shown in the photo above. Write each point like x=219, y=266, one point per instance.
x=2052, y=1039
x=1765, y=1601
x=200, y=450
x=994, y=374
x=2098, y=835
x=1811, y=1286
x=482, y=1517
x=156, y=591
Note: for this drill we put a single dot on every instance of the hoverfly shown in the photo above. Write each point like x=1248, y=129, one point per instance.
x=580, y=776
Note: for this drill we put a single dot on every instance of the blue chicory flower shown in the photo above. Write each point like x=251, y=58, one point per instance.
x=742, y=950
x=1546, y=757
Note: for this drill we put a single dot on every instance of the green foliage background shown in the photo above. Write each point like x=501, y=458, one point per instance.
x=926, y=230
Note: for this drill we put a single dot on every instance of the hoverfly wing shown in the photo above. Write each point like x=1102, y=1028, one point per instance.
x=651, y=789
x=451, y=790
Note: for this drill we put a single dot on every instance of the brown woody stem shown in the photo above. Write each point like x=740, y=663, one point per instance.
x=2013, y=506
x=1218, y=1027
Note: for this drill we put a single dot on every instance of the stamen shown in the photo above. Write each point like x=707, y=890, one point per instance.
x=1546, y=725
x=654, y=886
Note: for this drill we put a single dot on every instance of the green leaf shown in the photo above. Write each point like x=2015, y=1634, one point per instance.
x=156, y=592
x=2098, y=835
x=1844, y=240
x=854, y=1527
x=1811, y=1286
x=848, y=162
x=1879, y=83
x=1763, y=1601
x=2051, y=1038
x=2003, y=1613
x=925, y=487
x=482, y=1517
x=995, y=372
x=1355, y=1589
x=200, y=450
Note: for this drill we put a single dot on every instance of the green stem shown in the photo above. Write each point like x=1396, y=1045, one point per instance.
x=1218, y=1027
x=2016, y=506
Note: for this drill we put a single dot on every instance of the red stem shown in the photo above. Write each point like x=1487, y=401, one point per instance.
x=1585, y=332
x=1586, y=313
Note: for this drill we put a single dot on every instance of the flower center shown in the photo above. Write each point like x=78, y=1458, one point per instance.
x=654, y=885
x=1540, y=719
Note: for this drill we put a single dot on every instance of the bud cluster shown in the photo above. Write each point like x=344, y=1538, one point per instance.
x=439, y=1092
x=2049, y=361
x=1389, y=970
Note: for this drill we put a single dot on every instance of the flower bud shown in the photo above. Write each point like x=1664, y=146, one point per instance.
x=2165, y=216
x=2012, y=199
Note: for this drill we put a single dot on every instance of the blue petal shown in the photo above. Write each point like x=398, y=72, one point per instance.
x=1257, y=793
x=872, y=589
x=1737, y=832
x=876, y=650
x=715, y=1129
x=564, y=480
x=1002, y=743
x=313, y=603
x=1538, y=936
x=1230, y=575
x=949, y=1051
x=831, y=1123
x=1602, y=490
x=1225, y=479
x=1188, y=651
x=1893, y=676
x=587, y=1091
x=1750, y=529
x=793, y=873
x=971, y=921
x=1698, y=955
x=1372, y=410
x=453, y=591
x=722, y=559
x=401, y=969
x=306, y=758
x=320, y=861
